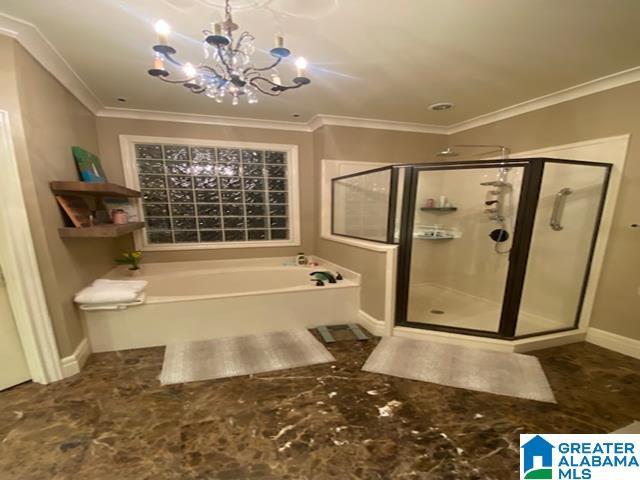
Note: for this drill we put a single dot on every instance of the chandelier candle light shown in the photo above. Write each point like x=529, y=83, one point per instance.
x=227, y=70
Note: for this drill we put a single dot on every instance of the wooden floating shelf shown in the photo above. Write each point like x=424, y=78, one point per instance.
x=96, y=189
x=439, y=209
x=107, y=230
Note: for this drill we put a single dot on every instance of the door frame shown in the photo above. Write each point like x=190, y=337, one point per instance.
x=516, y=269
x=20, y=267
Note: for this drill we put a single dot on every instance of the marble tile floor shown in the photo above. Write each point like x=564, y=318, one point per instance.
x=331, y=421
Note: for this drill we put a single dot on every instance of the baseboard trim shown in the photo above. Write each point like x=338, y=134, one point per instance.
x=548, y=341
x=484, y=343
x=517, y=346
x=372, y=324
x=72, y=364
x=612, y=341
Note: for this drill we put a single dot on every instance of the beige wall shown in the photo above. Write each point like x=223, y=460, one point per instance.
x=46, y=121
x=613, y=112
x=374, y=145
x=109, y=130
x=367, y=145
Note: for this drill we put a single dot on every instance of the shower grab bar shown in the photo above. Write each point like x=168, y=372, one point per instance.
x=558, y=208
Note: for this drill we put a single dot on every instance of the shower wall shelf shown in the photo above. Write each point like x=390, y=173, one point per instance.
x=422, y=237
x=446, y=236
x=439, y=209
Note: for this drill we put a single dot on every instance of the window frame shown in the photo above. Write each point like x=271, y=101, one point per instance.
x=127, y=148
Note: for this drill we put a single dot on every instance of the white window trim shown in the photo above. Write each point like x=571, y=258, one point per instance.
x=127, y=148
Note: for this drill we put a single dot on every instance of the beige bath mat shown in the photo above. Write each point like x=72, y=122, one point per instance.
x=502, y=373
x=236, y=356
x=632, y=428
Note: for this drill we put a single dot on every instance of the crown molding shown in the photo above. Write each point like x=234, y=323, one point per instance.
x=601, y=84
x=316, y=122
x=160, y=116
x=322, y=120
x=32, y=39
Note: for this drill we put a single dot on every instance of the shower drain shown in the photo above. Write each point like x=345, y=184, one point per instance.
x=437, y=312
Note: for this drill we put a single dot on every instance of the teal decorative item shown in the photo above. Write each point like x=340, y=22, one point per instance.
x=89, y=166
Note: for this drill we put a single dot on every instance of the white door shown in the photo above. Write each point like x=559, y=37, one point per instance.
x=13, y=366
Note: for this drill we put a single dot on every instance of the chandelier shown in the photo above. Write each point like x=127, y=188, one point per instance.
x=227, y=69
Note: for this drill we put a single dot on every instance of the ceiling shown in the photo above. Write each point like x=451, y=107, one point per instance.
x=368, y=59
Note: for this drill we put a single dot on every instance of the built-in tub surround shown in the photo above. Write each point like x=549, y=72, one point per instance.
x=202, y=300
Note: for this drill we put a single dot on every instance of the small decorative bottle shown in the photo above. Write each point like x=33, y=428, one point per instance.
x=301, y=259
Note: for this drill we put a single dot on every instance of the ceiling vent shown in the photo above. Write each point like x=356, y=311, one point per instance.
x=441, y=106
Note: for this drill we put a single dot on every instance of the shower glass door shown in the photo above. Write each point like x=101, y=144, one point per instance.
x=567, y=217
x=458, y=228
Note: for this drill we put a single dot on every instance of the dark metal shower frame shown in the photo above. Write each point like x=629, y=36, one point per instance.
x=391, y=208
x=522, y=236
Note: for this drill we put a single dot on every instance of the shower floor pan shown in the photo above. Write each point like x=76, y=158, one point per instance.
x=439, y=305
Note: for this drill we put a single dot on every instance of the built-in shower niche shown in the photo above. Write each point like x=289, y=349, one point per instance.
x=490, y=248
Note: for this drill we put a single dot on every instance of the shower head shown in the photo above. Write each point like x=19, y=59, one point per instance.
x=450, y=152
x=447, y=152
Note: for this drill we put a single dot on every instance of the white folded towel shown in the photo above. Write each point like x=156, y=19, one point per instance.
x=135, y=285
x=114, y=306
x=104, y=291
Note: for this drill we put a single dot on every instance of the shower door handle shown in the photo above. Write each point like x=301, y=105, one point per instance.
x=558, y=208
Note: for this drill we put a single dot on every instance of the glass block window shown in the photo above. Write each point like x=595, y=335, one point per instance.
x=203, y=194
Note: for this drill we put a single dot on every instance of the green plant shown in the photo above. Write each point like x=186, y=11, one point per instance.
x=131, y=258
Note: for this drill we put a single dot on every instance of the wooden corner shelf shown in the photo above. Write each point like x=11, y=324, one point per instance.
x=95, y=189
x=107, y=230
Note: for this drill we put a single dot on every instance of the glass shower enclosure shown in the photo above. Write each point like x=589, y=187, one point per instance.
x=490, y=248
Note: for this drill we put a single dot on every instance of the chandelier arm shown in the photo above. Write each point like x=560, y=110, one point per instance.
x=263, y=69
x=178, y=64
x=211, y=70
x=264, y=79
x=172, y=60
x=241, y=38
x=271, y=93
x=166, y=80
x=279, y=88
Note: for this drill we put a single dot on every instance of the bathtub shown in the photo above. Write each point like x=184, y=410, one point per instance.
x=211, y=299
